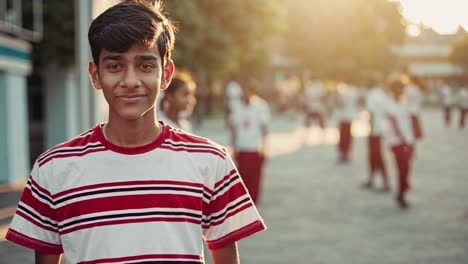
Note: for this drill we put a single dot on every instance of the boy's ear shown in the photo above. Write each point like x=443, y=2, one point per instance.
x=94, y=75
x=168, y=71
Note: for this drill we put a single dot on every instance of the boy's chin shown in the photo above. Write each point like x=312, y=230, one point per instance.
x=132, y=115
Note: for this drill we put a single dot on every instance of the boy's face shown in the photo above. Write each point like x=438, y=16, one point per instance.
x=183, y=99
x=131, y=81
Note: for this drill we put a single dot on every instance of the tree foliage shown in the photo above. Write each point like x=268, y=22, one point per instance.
x=224, y=37
x=346, y=40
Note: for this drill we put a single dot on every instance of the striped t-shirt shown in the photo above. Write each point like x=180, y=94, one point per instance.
x=97, y=202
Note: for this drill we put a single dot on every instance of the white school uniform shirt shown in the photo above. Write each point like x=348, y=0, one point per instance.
x=349, y=98
x=414, y=98
x=233, y=94
x=376, y=104
x=313, y=95
x=463, y=98
x=248, y=120
x=401, y=113
x=447, y=96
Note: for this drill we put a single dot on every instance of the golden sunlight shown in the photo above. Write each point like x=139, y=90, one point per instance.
x=444, y=16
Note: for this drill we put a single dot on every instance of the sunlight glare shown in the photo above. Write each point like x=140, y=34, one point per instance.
x=413, y=30
x=444, y=16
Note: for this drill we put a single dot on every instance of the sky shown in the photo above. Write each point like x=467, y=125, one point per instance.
x=443, y=16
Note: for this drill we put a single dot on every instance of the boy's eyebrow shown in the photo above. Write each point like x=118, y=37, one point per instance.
x=139, y=57
x=112, y=57
x=147, y=57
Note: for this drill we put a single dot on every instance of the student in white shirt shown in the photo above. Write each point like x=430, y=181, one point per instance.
x=400, y=138
x=179, y=101
x=348, y=100
x=447, y=101
x=249, y=129
x=414, y=97
x=463, y=105
x=313, y=100
x=376, y=106
x=232, y=97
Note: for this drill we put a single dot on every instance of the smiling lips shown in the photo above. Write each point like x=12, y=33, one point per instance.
x=131, y=98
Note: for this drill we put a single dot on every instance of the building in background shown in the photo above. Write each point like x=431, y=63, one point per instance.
x=427, y=55
x=20, y=25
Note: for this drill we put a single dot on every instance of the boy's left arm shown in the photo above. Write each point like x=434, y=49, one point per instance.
x=226, y=255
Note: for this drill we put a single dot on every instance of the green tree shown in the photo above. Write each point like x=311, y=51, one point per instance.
x=224, y=37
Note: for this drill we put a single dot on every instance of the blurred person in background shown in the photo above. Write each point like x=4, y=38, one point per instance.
x=250, y=119
x=414, y=98
x=232, y=97
x=348, y=100
x=463, y=105
x=313, y=102
x=376, y=106
x=400, y=137
x=446, y=96
x=179, y=101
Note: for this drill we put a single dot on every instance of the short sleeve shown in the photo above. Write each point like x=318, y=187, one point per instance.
x=229, y=213
x=34, y=224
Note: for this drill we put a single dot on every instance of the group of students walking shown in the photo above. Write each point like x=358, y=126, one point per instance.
x=393, y=109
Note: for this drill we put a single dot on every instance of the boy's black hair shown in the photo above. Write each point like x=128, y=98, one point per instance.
x=131, y=22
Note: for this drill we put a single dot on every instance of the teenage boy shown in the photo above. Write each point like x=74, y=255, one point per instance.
x=133, y=189
x=401, y=138
x=249, y=130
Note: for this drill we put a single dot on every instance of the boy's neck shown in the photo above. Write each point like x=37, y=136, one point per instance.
x=131, y=133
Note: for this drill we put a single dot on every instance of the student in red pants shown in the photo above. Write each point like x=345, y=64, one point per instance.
x=249, y=121
x=348, y=100
x=401, y=138
x=376, y=101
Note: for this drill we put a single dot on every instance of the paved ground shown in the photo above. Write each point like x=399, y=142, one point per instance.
x=316, y=212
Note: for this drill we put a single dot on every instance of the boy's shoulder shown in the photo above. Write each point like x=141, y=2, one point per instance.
x=178, y=139
x=80, y=145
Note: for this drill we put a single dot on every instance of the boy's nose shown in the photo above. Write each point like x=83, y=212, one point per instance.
x=131, y=79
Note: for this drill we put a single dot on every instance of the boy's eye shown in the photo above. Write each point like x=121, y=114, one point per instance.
x=147, y=67
x=113, y=67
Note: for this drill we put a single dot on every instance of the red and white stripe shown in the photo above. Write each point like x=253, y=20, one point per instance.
x=153, y=258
